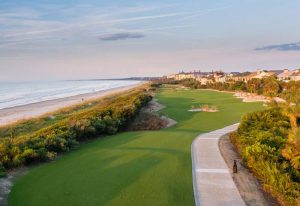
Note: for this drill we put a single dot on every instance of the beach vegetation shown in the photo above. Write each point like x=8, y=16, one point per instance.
x=44, y=144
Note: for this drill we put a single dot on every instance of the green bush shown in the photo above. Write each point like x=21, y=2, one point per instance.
x=260, y=139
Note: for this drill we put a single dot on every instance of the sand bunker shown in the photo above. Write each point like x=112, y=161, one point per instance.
x=204, y=108
x=249, y=97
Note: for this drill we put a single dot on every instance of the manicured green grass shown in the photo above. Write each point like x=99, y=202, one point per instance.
x=132, y=168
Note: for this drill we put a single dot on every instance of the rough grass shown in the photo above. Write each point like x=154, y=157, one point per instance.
x=23, y=127
x=132, y=168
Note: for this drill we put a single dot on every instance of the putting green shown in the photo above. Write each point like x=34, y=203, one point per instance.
x=132, y=168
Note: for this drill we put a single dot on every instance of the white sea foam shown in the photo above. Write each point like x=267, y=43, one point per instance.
x=22, y=93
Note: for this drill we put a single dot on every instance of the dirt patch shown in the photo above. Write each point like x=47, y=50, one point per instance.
x=6, y=184
x=170, y=122
x=248, y=186
x=153, y=106
x=149, y=119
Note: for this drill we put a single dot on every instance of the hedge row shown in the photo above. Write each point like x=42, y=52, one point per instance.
x=46, y=143
x=260, y=139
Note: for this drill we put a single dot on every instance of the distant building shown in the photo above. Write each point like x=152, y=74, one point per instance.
x=275, y=73
x=171, y=76
x=218, y=76
x=187, y=75
x=204, y=80
x=285, y=75
x=296, y=75
x=259, y=74
x=245, y=76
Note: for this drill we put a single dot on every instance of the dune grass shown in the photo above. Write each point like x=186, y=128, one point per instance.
x=132, y=168
x=28, y=126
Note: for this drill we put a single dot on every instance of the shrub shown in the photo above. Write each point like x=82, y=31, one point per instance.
x=261, y=140
x=292, y=149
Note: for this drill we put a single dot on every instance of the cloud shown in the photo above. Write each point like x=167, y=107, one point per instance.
x=281, y=47
x=121, y=36
x=43, y=24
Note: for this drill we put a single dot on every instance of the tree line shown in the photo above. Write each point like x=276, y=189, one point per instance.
x=270, y=86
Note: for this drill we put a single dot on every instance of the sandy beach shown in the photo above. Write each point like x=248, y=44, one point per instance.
x=14, y=114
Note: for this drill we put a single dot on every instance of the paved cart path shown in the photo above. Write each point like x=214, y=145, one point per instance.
x=212, y=179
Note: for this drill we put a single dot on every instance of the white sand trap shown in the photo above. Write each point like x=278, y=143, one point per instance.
x=203, y=110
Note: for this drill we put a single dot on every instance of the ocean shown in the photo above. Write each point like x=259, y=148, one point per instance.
x=21, y=93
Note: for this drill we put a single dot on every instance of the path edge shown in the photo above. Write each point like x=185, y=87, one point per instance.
x=193, y=157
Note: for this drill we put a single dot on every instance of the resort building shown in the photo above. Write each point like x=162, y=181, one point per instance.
x=205, y=80
x=259, y=74
x=218, y=76
x=245, y=76
x=296, y=75
x=187, y=75
x=171, y=76
x=285, y=75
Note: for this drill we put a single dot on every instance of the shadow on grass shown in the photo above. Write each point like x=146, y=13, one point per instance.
x=87, y=184
x=151, y=149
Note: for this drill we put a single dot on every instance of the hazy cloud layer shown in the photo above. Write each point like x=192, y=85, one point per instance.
x=121, y=36
x=281, y=47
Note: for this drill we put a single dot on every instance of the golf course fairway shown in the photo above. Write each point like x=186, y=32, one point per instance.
x=132, y=168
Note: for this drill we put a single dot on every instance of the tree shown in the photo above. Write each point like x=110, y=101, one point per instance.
x=254, y=86
x=270, y=87
x=239, y=86
x=292, y=92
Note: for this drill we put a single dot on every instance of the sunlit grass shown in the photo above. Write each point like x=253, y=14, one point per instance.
x=133, y=168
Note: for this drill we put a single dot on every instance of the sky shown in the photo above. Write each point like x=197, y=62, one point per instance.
x=72, y=39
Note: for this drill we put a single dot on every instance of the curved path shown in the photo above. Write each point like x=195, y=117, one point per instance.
x=212, y=179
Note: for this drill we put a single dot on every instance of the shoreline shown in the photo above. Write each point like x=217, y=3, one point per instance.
x=14, y=114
